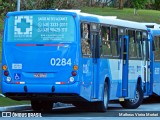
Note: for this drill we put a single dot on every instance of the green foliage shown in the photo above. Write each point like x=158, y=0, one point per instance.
x=139, y=4
x=51, y=4
x=8, y=102
x=7, y=5
x=157, y=4
x=151, y=16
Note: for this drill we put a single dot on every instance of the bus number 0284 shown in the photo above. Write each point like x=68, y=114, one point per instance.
x=60, y=61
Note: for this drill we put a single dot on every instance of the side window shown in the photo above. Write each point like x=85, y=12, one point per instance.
x=132, y=44
x=145, y=45
x=114, y=42
x=139, y=44
x=157, y=48
x=106, y=45
x=85, y=39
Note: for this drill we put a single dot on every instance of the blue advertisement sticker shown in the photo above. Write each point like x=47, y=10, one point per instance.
x=41, y=28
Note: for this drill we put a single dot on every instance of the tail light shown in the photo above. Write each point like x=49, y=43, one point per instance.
x=74, y=73
x=6, y=73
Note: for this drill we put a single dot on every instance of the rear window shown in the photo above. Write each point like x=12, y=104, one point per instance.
x=41, y=28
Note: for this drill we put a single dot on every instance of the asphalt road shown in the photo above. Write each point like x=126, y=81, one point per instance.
x=147, y=111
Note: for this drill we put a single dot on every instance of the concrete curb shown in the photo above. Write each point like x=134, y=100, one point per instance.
x=15, y=108
x=1, y=95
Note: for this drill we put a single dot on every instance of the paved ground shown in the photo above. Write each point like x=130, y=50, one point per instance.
x=149, y=111
x=68, y=111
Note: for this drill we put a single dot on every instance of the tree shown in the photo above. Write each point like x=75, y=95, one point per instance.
x=115, y=3
x=120, y=4
x=157, y=4
x=138, y=4
x=7, y=5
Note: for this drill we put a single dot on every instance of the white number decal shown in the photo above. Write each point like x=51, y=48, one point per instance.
x=60, y=62
x=63, y=63
x=69, y=62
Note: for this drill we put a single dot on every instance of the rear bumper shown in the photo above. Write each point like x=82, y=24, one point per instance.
x=66, y=98
x=57, y=93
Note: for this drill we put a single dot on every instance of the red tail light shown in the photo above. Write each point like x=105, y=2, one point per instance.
x=74, y=73
x=6, y=73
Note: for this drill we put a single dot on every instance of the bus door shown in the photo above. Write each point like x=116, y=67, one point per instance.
x=155, y=63
x=146, y=62
x=90, y=46
x=95, y=54
x=124, y=58
x=124, y=61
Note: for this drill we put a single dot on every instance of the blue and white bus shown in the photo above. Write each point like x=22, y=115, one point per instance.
x=154, y=61
x=54, y=56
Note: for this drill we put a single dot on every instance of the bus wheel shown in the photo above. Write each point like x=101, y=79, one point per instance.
x=36, y=105
x=47, y=105
x=103, y=105
x=42, y=105
x=136, y=102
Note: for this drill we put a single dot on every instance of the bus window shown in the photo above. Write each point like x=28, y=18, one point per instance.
x=145, y=46
x=106, y=47
x=157, y=48
x=37, y=28
x=85, y=39
x=139, y=44
x=132, y=44
x=114, y=41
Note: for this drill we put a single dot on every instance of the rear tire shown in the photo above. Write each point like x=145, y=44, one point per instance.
x=47, y=106
x=36, y=105
x=81, y=104
x=102, y=106
x=136, y=102
x=42, y=105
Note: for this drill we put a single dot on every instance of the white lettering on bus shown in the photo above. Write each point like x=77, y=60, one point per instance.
x=52, y=19
x=60, y=62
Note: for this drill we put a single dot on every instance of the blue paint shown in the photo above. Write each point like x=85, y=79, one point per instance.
x=125, y=67
x=17, y=76
x=153, y=86
x=48, y=61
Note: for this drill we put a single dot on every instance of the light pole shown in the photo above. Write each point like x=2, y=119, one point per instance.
x=18, y=5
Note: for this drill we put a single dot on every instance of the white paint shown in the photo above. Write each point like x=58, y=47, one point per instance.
x=60, y=62
x=16, y=66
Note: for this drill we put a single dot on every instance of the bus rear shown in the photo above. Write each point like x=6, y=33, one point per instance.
x=39, y=56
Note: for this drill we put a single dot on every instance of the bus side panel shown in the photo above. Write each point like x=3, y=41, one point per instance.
x=156, y=78
x=86, y=84
x=104, y=73
x=116, y=81
x=135, y=71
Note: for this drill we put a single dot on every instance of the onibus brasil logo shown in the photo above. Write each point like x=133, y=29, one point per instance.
x=23, y=26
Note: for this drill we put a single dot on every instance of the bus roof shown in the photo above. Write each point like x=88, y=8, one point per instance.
x=87, y=14
x=109, y=20
x=152, y=25
x=154, y=32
